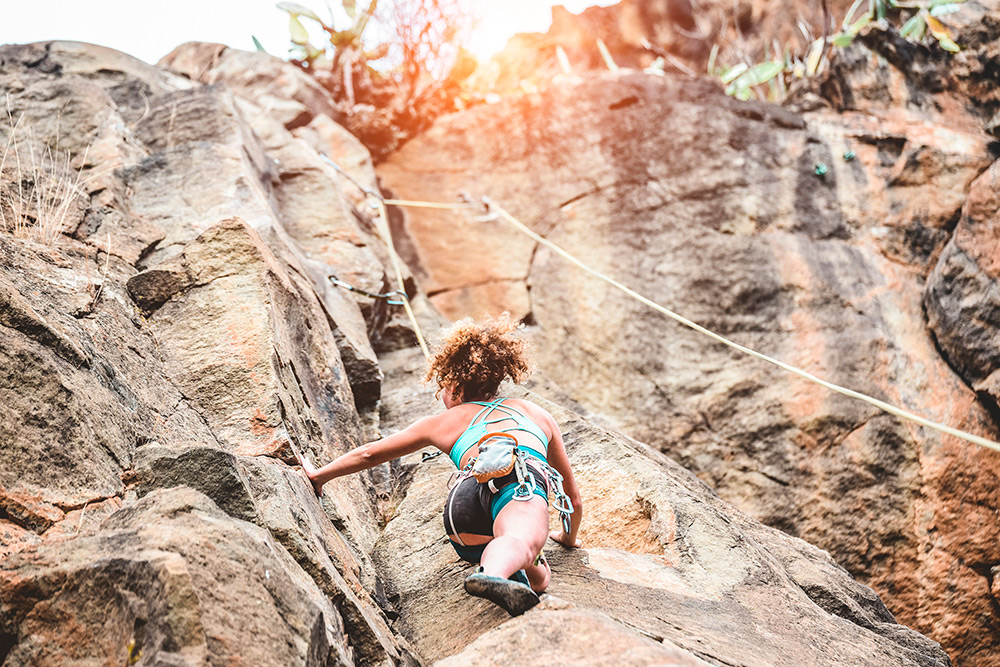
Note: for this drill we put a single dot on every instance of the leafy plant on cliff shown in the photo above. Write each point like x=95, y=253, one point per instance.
x=396, y=65
x=768, y=80
x=346, y=46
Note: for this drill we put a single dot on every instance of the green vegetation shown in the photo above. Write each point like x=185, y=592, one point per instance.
x=768, y=80
x=401, y=57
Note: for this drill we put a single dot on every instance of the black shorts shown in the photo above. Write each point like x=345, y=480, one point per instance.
x=472, y=507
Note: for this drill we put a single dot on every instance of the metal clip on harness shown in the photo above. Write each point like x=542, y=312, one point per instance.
x=525, y=480
x=561, y=503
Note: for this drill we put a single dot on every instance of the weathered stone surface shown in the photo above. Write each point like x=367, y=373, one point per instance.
x=208, y=470
x=761, y=178
x=974, y=67
x=963, y=292
x=169, y=347
x=709, y=580
x=882, y=70
x=337, y=240
x=252, y=348
x=223, y=356
x=265, y=175
x=282, y=89
x=328, y=138
x=339, y=564
x=204, y=165
x=713, y=208
x=97, y=412
x=14, y=538
x=86, y=99
x=146, y=588
x=567, y=635
x=102, y=402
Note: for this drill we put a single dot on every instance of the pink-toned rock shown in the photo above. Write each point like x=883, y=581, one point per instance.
x=29, y=510
x=225, y=356
x=144, y=589
x=159, y=432
x=962, y=298
x=14, y=538
x=93, y=412
x=557, y=635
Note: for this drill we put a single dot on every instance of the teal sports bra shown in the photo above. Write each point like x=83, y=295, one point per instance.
x=481, y=425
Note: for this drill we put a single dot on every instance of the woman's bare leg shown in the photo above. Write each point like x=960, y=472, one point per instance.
x=520, y=530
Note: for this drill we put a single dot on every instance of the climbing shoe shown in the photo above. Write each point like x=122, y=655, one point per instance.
x=513, y=596
x=520, y=577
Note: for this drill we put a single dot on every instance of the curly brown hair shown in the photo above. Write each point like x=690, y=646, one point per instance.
x=474, y=357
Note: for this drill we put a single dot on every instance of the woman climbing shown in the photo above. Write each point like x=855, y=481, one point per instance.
x=512, y=445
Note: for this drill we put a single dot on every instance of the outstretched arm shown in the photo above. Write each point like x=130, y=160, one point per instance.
x=414, y=437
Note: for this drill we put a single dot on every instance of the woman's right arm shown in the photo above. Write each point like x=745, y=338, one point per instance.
x=421, y=433
x=560, y=461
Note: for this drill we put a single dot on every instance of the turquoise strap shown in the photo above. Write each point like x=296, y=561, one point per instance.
x=506, y=494
x=477, y=429
x=469, y=437
x=533, y=452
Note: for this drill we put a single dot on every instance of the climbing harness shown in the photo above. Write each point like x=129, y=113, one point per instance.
x=394, y=298
x=498, y=456
x=520, y=226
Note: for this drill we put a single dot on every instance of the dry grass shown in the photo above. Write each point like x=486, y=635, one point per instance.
x=387, y=503
x=38, y=185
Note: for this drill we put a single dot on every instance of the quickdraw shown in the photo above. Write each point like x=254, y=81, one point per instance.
x=561, y=503
x=395, y=298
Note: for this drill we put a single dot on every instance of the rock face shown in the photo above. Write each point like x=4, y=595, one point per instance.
x=714, y=208
x=142, y=588
x=963, y=293
x=156, y=367
x=164, y=355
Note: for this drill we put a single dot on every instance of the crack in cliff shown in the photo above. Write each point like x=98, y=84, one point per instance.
x=478, y=283
x=991, y=408
x=596, y=189
x=68, y=507
x=183, y=397
x=773, y=478
x=837, y=442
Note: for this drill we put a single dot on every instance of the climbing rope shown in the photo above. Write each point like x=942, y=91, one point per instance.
x=891, y=409
x=520, y=226
x=430, y=204
x=386, y=233
x=377, y=201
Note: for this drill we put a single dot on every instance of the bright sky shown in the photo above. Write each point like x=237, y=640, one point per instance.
x=149, y=30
